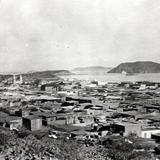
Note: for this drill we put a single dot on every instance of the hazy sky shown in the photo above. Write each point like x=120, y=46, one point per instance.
x=63, y=34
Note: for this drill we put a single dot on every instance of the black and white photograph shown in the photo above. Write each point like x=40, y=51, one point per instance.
x=79, y=79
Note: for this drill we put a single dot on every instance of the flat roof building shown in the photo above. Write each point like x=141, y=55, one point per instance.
x=32, y=122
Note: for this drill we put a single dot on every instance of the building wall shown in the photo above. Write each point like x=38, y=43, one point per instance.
x=27, y=123
x=104, y=133
x=36, y=124
x=17, y=122
x=94, y=112
x=25, y=113
x=136, y=128
x=60, y=122
x=50, y=89
x=88, y=119
x=112, y=104
x=148, y=133
x=128, y=128
x=32, y=124
x=70, y=120
x=50, y=120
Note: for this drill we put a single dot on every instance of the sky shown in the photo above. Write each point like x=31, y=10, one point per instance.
x=63, y=34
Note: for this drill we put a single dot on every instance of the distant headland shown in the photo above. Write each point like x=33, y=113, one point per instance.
x=137, y=67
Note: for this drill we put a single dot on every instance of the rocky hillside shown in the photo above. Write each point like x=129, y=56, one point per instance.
x=137, y=67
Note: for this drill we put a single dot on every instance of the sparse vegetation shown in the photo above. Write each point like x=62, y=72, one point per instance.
x=29, y=147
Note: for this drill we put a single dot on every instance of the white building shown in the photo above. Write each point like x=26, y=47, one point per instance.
x=148, y=132
x=17, y=79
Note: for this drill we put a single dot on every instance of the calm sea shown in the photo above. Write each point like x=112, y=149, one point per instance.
x=109, y=77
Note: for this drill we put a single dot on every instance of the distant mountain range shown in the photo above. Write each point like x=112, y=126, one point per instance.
x=92, y=68
x=137, y=67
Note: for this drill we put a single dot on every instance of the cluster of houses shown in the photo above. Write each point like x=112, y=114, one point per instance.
x=106, y=108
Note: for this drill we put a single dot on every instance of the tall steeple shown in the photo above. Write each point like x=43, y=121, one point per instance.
x=21, y=79
x=14, y=79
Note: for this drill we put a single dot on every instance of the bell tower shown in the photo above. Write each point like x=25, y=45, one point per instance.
x=17, y=79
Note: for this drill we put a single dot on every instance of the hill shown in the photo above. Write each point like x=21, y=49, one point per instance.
x=137, y=67
x=46, y=74
x=92, y=68
x=38, y=75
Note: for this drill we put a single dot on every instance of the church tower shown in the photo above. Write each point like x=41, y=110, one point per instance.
x=17, y=79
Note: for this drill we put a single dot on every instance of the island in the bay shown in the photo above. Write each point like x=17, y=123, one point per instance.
x=137, y=67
